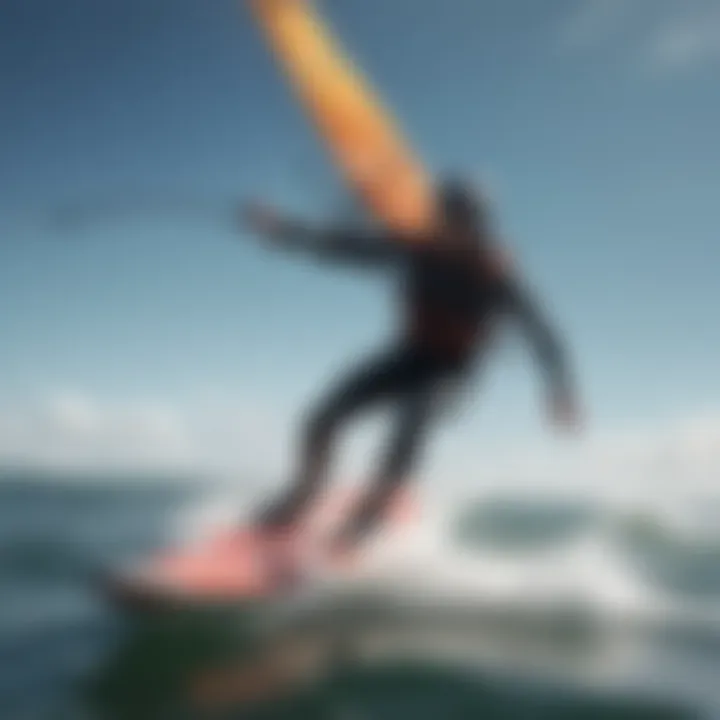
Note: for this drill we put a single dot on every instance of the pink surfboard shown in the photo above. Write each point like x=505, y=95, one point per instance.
x=240, y=565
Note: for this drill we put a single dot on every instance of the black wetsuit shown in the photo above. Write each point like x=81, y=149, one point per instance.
x=451, y=301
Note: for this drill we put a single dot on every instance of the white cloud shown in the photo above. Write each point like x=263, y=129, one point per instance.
x=75, y=430
x=685, y=42
x=74, y=412
x=634, y=461
x=661, y=34
x=590, y=21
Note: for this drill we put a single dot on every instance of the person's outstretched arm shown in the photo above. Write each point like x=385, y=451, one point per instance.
x=549, y=350
x=346, y=245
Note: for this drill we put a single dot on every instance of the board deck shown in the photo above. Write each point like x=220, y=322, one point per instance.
x=240, y=565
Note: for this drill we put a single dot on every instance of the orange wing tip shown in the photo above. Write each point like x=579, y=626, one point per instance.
x=359, y=132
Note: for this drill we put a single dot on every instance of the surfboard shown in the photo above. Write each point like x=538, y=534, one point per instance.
x=362, y=137
x=241, y=565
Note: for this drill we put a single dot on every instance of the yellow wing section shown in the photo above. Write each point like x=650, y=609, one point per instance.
x=362, y=138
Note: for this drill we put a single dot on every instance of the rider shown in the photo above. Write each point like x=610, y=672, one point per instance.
x=457, y=284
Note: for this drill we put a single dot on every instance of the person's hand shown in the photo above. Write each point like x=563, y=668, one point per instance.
x=263, y=219
x=564, y=410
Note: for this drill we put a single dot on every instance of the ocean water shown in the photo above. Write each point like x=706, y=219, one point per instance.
x=503, y=606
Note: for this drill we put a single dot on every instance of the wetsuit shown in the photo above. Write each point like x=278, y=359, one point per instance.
x=452, y=299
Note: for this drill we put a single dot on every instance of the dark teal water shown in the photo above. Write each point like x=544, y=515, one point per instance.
x=65, y=653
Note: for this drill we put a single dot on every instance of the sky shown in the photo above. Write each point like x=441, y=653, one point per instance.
x=161, y=333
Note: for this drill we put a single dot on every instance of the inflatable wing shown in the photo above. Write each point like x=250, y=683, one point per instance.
x=361, y=136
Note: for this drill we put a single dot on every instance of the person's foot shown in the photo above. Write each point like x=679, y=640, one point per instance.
x=275, y=518
x=281, y=554
x=343, y=548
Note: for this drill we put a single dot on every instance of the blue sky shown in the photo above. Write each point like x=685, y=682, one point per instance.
x=594, y=121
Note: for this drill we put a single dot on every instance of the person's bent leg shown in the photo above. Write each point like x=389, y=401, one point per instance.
x=377, y=380
x=403, y=454
x=318, y=438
